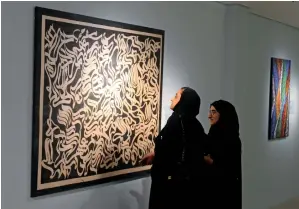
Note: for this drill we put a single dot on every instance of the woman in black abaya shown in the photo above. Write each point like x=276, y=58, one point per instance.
x=223, y=155
x=176, y=169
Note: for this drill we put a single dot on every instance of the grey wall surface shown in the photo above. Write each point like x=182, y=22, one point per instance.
x=222, y=52
x=270, y=169
x=194, y=47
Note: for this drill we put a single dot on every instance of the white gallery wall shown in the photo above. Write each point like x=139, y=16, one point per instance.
x=193, y=57
x=221, y=51
x=271, y=169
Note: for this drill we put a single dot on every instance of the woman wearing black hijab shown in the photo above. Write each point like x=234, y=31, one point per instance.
x=176, y=169
x=224, y=157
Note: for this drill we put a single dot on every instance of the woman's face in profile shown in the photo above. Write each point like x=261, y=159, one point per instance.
x=213, y=115
x=176, y=98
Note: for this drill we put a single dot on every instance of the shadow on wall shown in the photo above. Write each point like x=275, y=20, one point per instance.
x=141, y=198
x=289, y=204
x=120, y=199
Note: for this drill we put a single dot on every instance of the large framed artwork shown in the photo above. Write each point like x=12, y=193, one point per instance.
x=97, y=100
x=279, y=98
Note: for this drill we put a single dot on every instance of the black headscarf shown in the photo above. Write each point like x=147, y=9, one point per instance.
x=189, y=104
x=170, y=144
x=228, y=122
x=225, y=148
x=168, y=149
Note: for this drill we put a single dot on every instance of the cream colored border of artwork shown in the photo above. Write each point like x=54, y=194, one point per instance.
x=41, y=186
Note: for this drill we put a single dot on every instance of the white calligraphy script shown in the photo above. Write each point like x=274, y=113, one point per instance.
x=102, y=96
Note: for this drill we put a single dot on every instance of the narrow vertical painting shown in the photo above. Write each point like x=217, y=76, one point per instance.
x=279, y=98
x=97, y=100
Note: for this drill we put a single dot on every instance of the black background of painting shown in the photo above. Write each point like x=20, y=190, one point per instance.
x=36, y=96
x=68, y=28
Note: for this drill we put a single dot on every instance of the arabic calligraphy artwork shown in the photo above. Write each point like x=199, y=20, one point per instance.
x=279, y=98
x=97, y=100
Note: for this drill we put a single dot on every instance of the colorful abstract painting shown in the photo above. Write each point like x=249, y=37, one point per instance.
x=279, y=98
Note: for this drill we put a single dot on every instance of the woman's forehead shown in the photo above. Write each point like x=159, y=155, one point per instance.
x=180, y=91
x=212, y=107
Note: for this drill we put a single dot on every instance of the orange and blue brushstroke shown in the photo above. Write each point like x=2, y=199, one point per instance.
x=280, y=98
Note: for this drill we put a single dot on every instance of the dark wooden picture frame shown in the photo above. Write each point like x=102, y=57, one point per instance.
x=97, y=100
